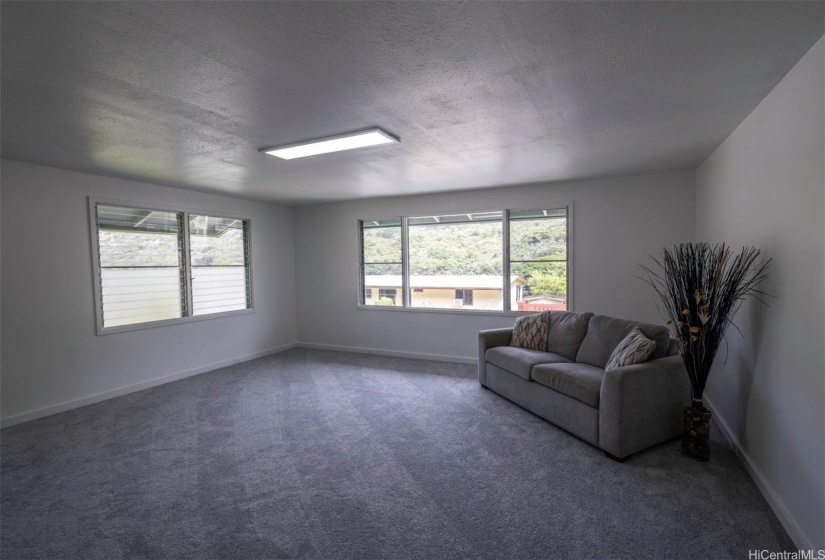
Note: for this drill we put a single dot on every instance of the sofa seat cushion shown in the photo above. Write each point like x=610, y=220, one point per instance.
x=520, y=361
x=578, y=381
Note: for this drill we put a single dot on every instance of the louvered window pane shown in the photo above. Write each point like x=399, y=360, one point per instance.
x=141, y=265
x=381, y=262
x=219, y=249
x=538, y=258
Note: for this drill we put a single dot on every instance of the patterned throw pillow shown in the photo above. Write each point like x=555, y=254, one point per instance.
x=635, y=348
x=531, y=332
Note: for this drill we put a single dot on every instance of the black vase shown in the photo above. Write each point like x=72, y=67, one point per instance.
x=696, y=439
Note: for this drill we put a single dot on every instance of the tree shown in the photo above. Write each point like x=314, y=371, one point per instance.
x=547, y=283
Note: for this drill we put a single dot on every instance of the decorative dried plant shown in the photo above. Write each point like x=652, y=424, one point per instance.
x=701, y=287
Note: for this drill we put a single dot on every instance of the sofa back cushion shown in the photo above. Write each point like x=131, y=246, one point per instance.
x=605, y=333
x=567, y=330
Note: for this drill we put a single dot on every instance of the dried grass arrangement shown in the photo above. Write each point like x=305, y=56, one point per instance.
x=701, y=287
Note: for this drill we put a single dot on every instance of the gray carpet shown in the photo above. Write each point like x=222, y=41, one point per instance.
x=313, y=454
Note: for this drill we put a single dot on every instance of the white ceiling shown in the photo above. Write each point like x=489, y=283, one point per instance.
x=481, y=94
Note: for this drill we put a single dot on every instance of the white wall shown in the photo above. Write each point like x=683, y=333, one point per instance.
x=765, y=186
x=616, y=223
x=52, y=357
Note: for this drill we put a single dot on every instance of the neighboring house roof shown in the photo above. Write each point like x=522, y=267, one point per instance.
x=447, y=282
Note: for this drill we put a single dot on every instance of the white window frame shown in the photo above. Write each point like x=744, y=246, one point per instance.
x=404, y=308
x=187, y=265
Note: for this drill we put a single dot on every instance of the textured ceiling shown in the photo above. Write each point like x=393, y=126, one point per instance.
x=481, y=94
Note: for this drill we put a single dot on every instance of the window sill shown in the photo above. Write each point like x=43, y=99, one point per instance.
x=169, y=322
x=484, y=312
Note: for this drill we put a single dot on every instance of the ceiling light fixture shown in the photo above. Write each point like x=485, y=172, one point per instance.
x=340, y=142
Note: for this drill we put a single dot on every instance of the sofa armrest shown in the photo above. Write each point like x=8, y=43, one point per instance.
x=641, y=405
x=486, y=340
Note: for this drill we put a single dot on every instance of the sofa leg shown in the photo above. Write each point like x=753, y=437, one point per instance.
x=617, y=459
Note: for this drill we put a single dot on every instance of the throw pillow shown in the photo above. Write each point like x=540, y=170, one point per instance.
x=635, y=348
x=531, y=332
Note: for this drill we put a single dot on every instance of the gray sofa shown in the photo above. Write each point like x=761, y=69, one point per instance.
x=621, y=411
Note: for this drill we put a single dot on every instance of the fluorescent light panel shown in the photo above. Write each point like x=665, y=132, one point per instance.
x=349, y=141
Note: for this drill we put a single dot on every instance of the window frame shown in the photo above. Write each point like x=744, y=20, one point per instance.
x=362, y=298
x=405, y=308
x=508, y=262
x=188, y=317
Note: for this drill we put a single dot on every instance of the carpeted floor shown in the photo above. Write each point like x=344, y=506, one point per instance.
x=314, y=454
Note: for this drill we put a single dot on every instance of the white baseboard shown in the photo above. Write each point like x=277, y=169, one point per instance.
x=393, y=353
x=796, y=533
x=77, y=403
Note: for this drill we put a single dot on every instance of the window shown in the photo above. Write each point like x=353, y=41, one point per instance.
x=452, y=253
x=381, y=260
x=220, y=279
x=509, y=260
x=464, y=297
x=387, y=294
x=161, y=266
x=538, y=255
x=141, y=265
